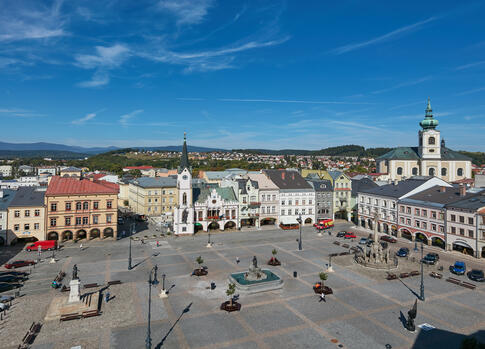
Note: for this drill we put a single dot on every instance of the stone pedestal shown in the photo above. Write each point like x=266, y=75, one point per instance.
x=209, y=245
x=163, y=294
x=74, y=294
x=330, y=269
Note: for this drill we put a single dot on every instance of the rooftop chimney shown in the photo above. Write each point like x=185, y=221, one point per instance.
x=462, y=190
x=442, y=189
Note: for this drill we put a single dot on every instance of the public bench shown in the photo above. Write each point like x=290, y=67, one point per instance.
x=343, y=253
x=468, y=285
x=72, y=316
x=454, y=281
x=391, y=276
x=94, y=284
x=65, y=288
x=345, y=246
x=414, y=273
x=403, y=275
x=436, y=275
x=336, y=243
x=90, y=313
x=114, y=282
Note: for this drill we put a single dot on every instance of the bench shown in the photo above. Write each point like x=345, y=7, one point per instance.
x=403, y=275
x=91, y=285
x=35, y=327
x=436, y=275
x=454, y=281
x=343, y=253
x=114, y=282
x=391, y=276
x=65, y=288
x=29, y=339
x=414, y=273
x=336, y=243
x=468, y=285
x=90, y=313
x=68, y=317
x=345, y=246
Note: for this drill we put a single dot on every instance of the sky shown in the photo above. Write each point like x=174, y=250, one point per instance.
x=241, y=74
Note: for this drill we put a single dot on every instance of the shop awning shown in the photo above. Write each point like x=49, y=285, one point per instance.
x=461, y=243
x=288, y=220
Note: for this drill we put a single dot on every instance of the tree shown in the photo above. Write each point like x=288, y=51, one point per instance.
x=323, y=276
x=200, y=261
x=274, y=252
x=231, y=288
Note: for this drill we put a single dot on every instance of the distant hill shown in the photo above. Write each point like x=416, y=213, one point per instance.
x=178, y=148
x=342, y=150
x=53, y=146
x=53, y=154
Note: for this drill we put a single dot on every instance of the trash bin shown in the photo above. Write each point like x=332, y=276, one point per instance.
x=295, y=274
x=213, y=285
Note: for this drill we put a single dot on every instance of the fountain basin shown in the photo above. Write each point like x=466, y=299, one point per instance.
x=271, y=282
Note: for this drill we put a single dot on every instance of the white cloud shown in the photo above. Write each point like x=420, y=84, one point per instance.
x=186, y=11
x=105, y=57
x=470, y=65
x=82, y=120
x=100, y=78
x=383, y=38
x=285, y=101
x=403, y=84
x=468, y=92
x=126, y=117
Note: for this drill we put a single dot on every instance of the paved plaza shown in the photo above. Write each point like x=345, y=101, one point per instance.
x=365, y=311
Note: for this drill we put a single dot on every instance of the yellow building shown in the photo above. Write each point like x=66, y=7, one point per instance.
x=26, y=215
x=342, y=195
x=153, y=196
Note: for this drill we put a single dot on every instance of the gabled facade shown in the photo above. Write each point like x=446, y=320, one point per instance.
x=342, y=195
x=247, y=194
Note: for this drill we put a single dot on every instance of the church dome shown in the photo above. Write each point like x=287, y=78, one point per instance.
x=429, y=122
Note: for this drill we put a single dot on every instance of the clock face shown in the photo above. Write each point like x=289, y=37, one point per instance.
x=184, y=177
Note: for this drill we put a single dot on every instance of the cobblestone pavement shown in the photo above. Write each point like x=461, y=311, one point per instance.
x=365, y=310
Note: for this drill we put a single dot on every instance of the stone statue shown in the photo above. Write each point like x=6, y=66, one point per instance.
x=255, y=262
x=74, y=272
x=411, y=316
x=185, y=214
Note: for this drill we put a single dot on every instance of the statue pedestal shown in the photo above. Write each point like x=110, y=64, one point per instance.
x=209, y=245
x=319, y=234
x=163, y=294
x=74, y=294
x=330, y=269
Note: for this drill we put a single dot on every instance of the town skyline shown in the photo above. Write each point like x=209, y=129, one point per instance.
x=227, y=74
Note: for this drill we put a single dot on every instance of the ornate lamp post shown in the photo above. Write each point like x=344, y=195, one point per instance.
x=154, y=281
x=299, y=240
x=129, y=251
x=422, y=276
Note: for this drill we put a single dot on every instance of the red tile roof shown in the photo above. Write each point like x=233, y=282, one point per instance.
x=69, y=186
x=139, y=167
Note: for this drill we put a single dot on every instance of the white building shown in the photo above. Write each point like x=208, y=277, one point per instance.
x=5, y=170
x=269, y=196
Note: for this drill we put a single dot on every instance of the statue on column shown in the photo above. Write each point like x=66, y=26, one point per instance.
x=74, y=272
x=411, y=316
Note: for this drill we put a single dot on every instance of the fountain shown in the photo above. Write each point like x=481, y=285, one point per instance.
x=256, y=279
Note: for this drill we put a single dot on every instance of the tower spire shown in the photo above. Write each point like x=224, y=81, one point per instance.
x=428, y=122
x=184, y=160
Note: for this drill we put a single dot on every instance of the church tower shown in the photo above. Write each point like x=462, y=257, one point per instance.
x=184, y=212
x=429, y=137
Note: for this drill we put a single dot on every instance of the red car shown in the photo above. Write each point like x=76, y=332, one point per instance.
x=388, y=238
x=18, y=264
x=349, y=236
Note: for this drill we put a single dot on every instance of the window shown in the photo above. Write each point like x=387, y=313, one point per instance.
x=53, y=207
x=399, y=170
x=27, y=213
x=263, y=197
x=310, y=211
x=408, y=221
x=184, y=199
x=149, y=200
x=443, y=171
x=424, y=225
x=95, y=205
x=16, y=227
x=402, y=220
x=36, y=226
x=16, y=213
x=303, y=202
x=453, y=230
x=27, y=227
x=86, y=205
x=408, y=210
x=424, y=213
x=109, y=204
x=441, y=229
x=282, y=212
x=68, y=206
x=108, y=218
x=462, y=231
x=289, y=212
x=53, y=222
x=310, y=202
x=415, y=171
x=67, y=220
x=470, y=233
x=78, y=220
x=433, y=214
x=296, y=202
x=401, y=209
x=78, y=206
x=462, y=219
x=470, y=220
x=85, y=220
x=433, y=227
x=459, y=172
x=274, y=197
x=290, y=202
x=431, y=171
x=416, y=211
x=273, y=209
x=417, y=224
x=282, y=202
x=431, y=140
x=442, y=215
x=453, y=218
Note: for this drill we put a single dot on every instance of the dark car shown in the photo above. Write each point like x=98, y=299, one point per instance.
x=11, y=278
x=388, y=238
x=7, y=287
x=18, y=264
x=431, y=258
x=459, y=268
x=476, y=275
x=341, y=234
x=402, y=252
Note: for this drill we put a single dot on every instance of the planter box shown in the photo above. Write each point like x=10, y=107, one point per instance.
x=274, y=262
x=326, y=290
x=229, y=308
x=200, y=272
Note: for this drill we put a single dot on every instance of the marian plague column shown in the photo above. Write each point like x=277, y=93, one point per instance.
x=184, y=212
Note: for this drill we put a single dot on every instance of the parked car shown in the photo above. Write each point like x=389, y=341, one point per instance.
x=459, y=268
x=7, y=287
x=11, y=278
x=19, y=264
x=476, y=275
x=431, y=258
x=388, y=238
x=349, y=235
x=341, y=234
x=402, y=252
x=4, y=306
x=6, y=298
x=363, y=241
x=46, y=245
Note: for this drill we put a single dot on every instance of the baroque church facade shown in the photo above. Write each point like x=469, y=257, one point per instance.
x=430, y=158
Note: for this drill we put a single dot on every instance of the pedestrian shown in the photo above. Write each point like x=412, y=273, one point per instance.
x=322, y=297
x=107, y=296
x=237, y=260
x=81, y=247
x=158, y=244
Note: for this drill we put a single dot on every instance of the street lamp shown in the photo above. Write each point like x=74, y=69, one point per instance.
x=422, y=276
x=129, y=257
x=154, y=281
x=299, y=240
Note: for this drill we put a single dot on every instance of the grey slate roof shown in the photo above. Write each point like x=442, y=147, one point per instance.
x=435, y=197
x=288, y=179
x=335, y=174
x=362, y=184
x=398, y=190
x=471, y=203
x=8, y=195
x=28, y=196
x=200, y=194
x=155, y=182
x=321, y=185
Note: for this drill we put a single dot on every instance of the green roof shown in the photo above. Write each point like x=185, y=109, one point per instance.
x=448, y=154
x=401, y=153
x=201, y=194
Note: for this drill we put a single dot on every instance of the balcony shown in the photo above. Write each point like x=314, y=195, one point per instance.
x=255, y=203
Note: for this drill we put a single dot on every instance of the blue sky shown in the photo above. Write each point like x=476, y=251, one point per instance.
x=267, y=74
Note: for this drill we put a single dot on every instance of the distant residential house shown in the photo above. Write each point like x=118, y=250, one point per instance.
x=47, y=170
x=6, y=171
x=147, y=171
x=26, y=169
x=70, y=172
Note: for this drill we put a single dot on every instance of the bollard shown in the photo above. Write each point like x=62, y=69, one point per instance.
x=295, y=274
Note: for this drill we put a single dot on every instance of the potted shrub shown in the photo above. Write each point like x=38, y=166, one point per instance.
x=200, y=271
x=320, y=287
x=274, y=260
x=231, y=305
